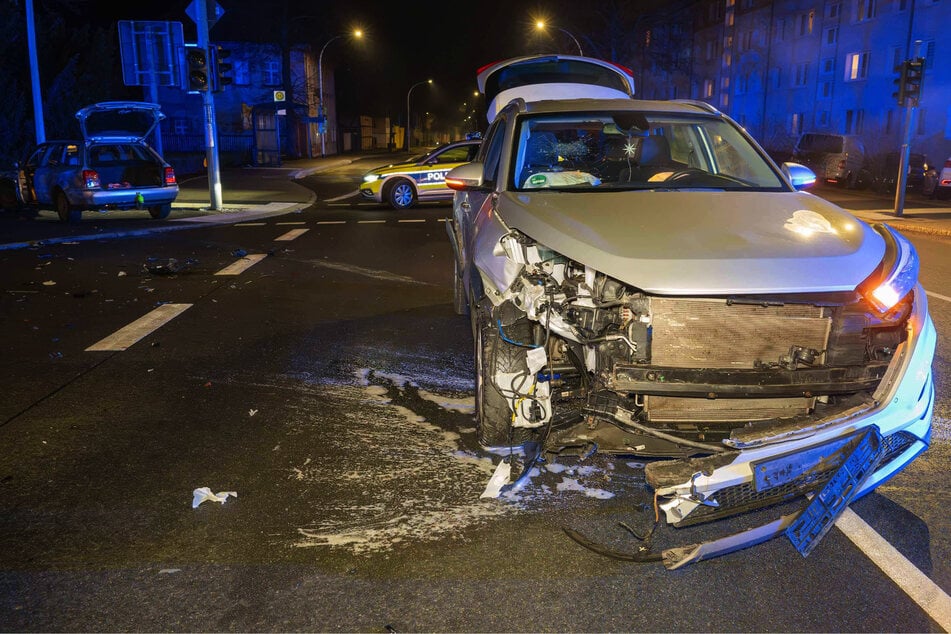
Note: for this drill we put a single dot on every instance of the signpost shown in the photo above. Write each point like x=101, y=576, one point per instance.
x=150, y=57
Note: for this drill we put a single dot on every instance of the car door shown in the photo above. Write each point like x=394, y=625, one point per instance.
x=40, y=171
x=468, y=205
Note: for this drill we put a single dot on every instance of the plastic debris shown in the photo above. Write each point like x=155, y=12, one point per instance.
x=169, y=571
x=49, y=283
x=170, y=266
x=239, y=253
x=204, y=494
x=499, y=479
x=252, y=412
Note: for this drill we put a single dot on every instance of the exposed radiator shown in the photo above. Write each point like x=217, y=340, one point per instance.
x=709, y=333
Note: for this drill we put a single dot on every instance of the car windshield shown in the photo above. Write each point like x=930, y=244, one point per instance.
x=637, y=150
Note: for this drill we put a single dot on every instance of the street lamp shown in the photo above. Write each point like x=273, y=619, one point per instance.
x=409, y=126
x=540, y=25
x=357, y=33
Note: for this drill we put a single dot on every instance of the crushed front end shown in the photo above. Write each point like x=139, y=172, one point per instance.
x=739, y=402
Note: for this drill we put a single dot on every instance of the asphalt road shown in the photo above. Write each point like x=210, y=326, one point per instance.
x=329, y=386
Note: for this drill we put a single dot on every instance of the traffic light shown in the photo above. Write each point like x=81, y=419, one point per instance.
x=221, y=70
x=909, y=82
x=899, y=82
x=914, y=75
x=196, y=69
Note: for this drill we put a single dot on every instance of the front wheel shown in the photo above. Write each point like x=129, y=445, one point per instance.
x=65, y=211
x=401, y=194
x=495, y=357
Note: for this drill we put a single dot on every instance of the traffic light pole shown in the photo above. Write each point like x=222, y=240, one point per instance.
x=909, y=93
x=208, y=103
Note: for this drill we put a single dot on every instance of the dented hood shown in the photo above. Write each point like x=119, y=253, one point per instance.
x=703, y=242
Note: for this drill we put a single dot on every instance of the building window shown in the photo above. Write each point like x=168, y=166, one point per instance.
x=272, y=73
x=865, y=10
x=822, y=118
x=903, y=5
x=806, y=21
x=241, y=72
x=833, y=10
x=711, y=50
x=707, y=88
x=825, y=90
x=775, y=78
x=831, y=35
x=856, y=66
x=742, y=84
x=929, y=55
x=180, y=125
x=802, y=75
x=780, y=29
x=853, y=121
x=795, y=123
x=746, y=40
x=921, y=122
x=828, y=66
x=890, y=121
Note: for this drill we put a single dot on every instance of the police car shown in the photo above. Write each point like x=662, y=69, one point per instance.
x=422, y=178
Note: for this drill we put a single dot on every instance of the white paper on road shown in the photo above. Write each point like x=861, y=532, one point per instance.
x=498, y=480
x=204, y=494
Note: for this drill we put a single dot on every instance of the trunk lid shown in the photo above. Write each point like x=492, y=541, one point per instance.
x=119, y=120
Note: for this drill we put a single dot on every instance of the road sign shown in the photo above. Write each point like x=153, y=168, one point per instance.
x=150, y=53
x=214, y=10
x=279, y=95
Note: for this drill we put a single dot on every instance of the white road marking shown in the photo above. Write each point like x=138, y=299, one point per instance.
x=250, y=224
x=242, y=265
x=299, y=222
x=291, y=235
x=374, y=273
x=331, y=222
x=370, y=222
x=410, y=220
x=128, y=335
x=915, y=583
x=938, y=296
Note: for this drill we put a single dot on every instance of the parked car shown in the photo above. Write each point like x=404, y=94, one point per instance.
x=640, y=280
x=835, y=158
x=111, y=167
x=421, y=178
x=885, y=172
x=942, y=190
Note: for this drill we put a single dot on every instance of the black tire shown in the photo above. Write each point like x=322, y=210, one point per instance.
x=460, y=302
x=160, y=212
x=493, y=415
x=401, y=194
x=65, y=211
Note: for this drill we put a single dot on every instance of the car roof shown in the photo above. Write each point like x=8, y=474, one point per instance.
x=673, y=106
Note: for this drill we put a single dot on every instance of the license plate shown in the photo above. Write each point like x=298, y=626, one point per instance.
x=829, y=503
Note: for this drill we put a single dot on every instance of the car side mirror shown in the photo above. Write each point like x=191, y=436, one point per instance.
x=465, y=177
x=800, y=176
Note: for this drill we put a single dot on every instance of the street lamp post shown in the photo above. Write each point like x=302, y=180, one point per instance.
x=409, y=127
x=320, y=87
x=540, y=25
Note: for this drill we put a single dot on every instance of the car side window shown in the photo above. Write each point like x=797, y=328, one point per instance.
x=493, y=151
x=37, y=157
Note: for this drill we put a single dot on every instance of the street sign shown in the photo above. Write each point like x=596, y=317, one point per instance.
x=214, y=10
x=279, y=95
x=150, y=53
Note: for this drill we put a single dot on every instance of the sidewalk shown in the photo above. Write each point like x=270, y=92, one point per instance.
x=251, y=193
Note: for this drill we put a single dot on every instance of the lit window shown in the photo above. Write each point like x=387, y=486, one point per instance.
x=856, y=66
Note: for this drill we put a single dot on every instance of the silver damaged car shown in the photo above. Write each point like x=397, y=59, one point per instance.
x=641, y=279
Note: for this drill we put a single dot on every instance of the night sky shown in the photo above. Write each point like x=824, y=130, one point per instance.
x=405, y=41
